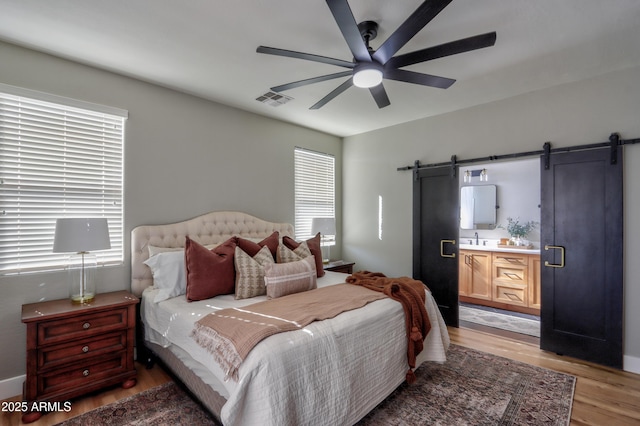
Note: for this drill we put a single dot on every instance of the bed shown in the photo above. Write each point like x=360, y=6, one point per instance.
x=330, y=372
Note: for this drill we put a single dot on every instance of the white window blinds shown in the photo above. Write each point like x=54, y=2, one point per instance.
x=56, y=161
x=314, y=189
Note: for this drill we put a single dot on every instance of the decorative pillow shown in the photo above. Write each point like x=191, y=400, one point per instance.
x=153, y=250
x=252, y=248
x=250, y=272
x=169, y=274
x=209, y=272
x=288, y=278
x=286, y=255
x=314, y=247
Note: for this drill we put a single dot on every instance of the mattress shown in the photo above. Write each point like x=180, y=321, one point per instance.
x=342, y=367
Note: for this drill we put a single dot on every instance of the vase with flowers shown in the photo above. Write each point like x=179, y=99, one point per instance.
x=519, y=231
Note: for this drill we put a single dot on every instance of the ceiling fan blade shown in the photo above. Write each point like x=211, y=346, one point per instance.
x=306, y=56
x=349, y=28
x=307, y=81
x=442, y=50
x=322, y=102
x=380, y=96
x=414, y=23
x=418, y=78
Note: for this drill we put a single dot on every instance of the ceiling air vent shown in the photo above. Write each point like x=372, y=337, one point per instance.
x=274, y=99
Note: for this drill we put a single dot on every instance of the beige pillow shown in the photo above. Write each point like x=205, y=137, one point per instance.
x=250, y=272
x=292, y=277
x=285, y=254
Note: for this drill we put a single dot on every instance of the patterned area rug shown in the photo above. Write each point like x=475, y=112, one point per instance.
x=166, y=404
x=476, y=388
x=471, y=388
x=501, y=321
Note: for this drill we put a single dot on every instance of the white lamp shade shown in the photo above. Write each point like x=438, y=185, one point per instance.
x=323, y=225
x=81, y=235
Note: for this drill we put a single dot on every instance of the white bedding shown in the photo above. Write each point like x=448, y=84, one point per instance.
x=304, y=377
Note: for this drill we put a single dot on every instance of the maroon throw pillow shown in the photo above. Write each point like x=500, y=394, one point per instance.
x=252, y=248
x=314, y=247
x=209, y=272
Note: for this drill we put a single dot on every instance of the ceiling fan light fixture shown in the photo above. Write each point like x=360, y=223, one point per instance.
x=367, y=74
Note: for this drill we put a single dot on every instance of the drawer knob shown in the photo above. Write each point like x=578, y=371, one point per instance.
x=86, y=325
x=85, y=349
x=85, y=373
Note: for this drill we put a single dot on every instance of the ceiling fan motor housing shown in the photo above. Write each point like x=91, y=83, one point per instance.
x=368, y=74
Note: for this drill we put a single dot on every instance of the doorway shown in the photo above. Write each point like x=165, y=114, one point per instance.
x=581, y=221
x=499, y=285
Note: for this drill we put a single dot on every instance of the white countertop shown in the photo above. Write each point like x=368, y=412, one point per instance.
x=515, y=249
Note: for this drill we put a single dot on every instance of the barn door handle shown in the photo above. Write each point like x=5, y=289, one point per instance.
x=442, y=243
x=555, y=265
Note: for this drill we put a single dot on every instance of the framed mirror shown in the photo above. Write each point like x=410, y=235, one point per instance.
x=478, y=206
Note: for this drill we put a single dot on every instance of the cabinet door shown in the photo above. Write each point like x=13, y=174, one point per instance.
x=534, y=281
x=480, y=275
x=464, y=273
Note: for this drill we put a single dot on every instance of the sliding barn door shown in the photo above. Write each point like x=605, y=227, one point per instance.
x=435, y=231
x=581, y=253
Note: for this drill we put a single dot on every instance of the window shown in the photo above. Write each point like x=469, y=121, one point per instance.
x=314, y=189
x=58, y=158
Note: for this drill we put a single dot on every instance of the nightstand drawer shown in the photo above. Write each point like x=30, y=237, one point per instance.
x=78, y=351
x=81, y=326
x=82, y=374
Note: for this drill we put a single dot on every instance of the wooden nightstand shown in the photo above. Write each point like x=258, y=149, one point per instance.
x=339, y=266
x=75, y=349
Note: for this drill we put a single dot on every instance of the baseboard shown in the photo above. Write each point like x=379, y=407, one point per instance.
x=11, y=387
x=631, y=364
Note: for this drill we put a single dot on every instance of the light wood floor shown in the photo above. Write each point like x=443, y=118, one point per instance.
x=603, y=396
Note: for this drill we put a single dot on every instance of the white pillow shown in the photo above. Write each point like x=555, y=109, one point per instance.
x=169, y=274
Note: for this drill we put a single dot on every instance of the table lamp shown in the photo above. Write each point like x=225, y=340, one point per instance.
x=81, y=236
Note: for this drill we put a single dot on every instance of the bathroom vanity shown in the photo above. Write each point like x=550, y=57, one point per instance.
x=505, y=278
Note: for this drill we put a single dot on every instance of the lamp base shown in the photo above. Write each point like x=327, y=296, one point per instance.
x=81, y=276
x=78, y=299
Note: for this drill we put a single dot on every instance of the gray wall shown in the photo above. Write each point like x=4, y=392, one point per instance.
x=570, y=114
x=184, y=156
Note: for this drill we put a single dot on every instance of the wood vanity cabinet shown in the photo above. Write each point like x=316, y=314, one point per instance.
x=502, y=280
x=475, y=274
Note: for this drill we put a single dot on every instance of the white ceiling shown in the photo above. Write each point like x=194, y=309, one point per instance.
x=208, y=48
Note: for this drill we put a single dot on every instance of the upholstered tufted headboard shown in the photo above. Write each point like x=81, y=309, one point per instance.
x=210, y=228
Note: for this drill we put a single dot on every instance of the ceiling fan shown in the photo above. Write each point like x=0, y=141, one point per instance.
x=369, y=67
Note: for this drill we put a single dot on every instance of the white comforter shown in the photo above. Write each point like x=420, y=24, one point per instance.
x=331, y=372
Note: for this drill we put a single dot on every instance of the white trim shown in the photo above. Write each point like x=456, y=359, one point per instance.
x=74, y=103
x=631, y=364
x=11, y=387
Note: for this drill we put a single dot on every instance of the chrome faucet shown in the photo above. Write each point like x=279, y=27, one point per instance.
x=477, y=242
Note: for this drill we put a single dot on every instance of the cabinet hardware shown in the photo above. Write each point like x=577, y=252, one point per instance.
x=85, y=373
x=513, y=296
x=85, y=349
x=510, y=259
x=86, y=325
